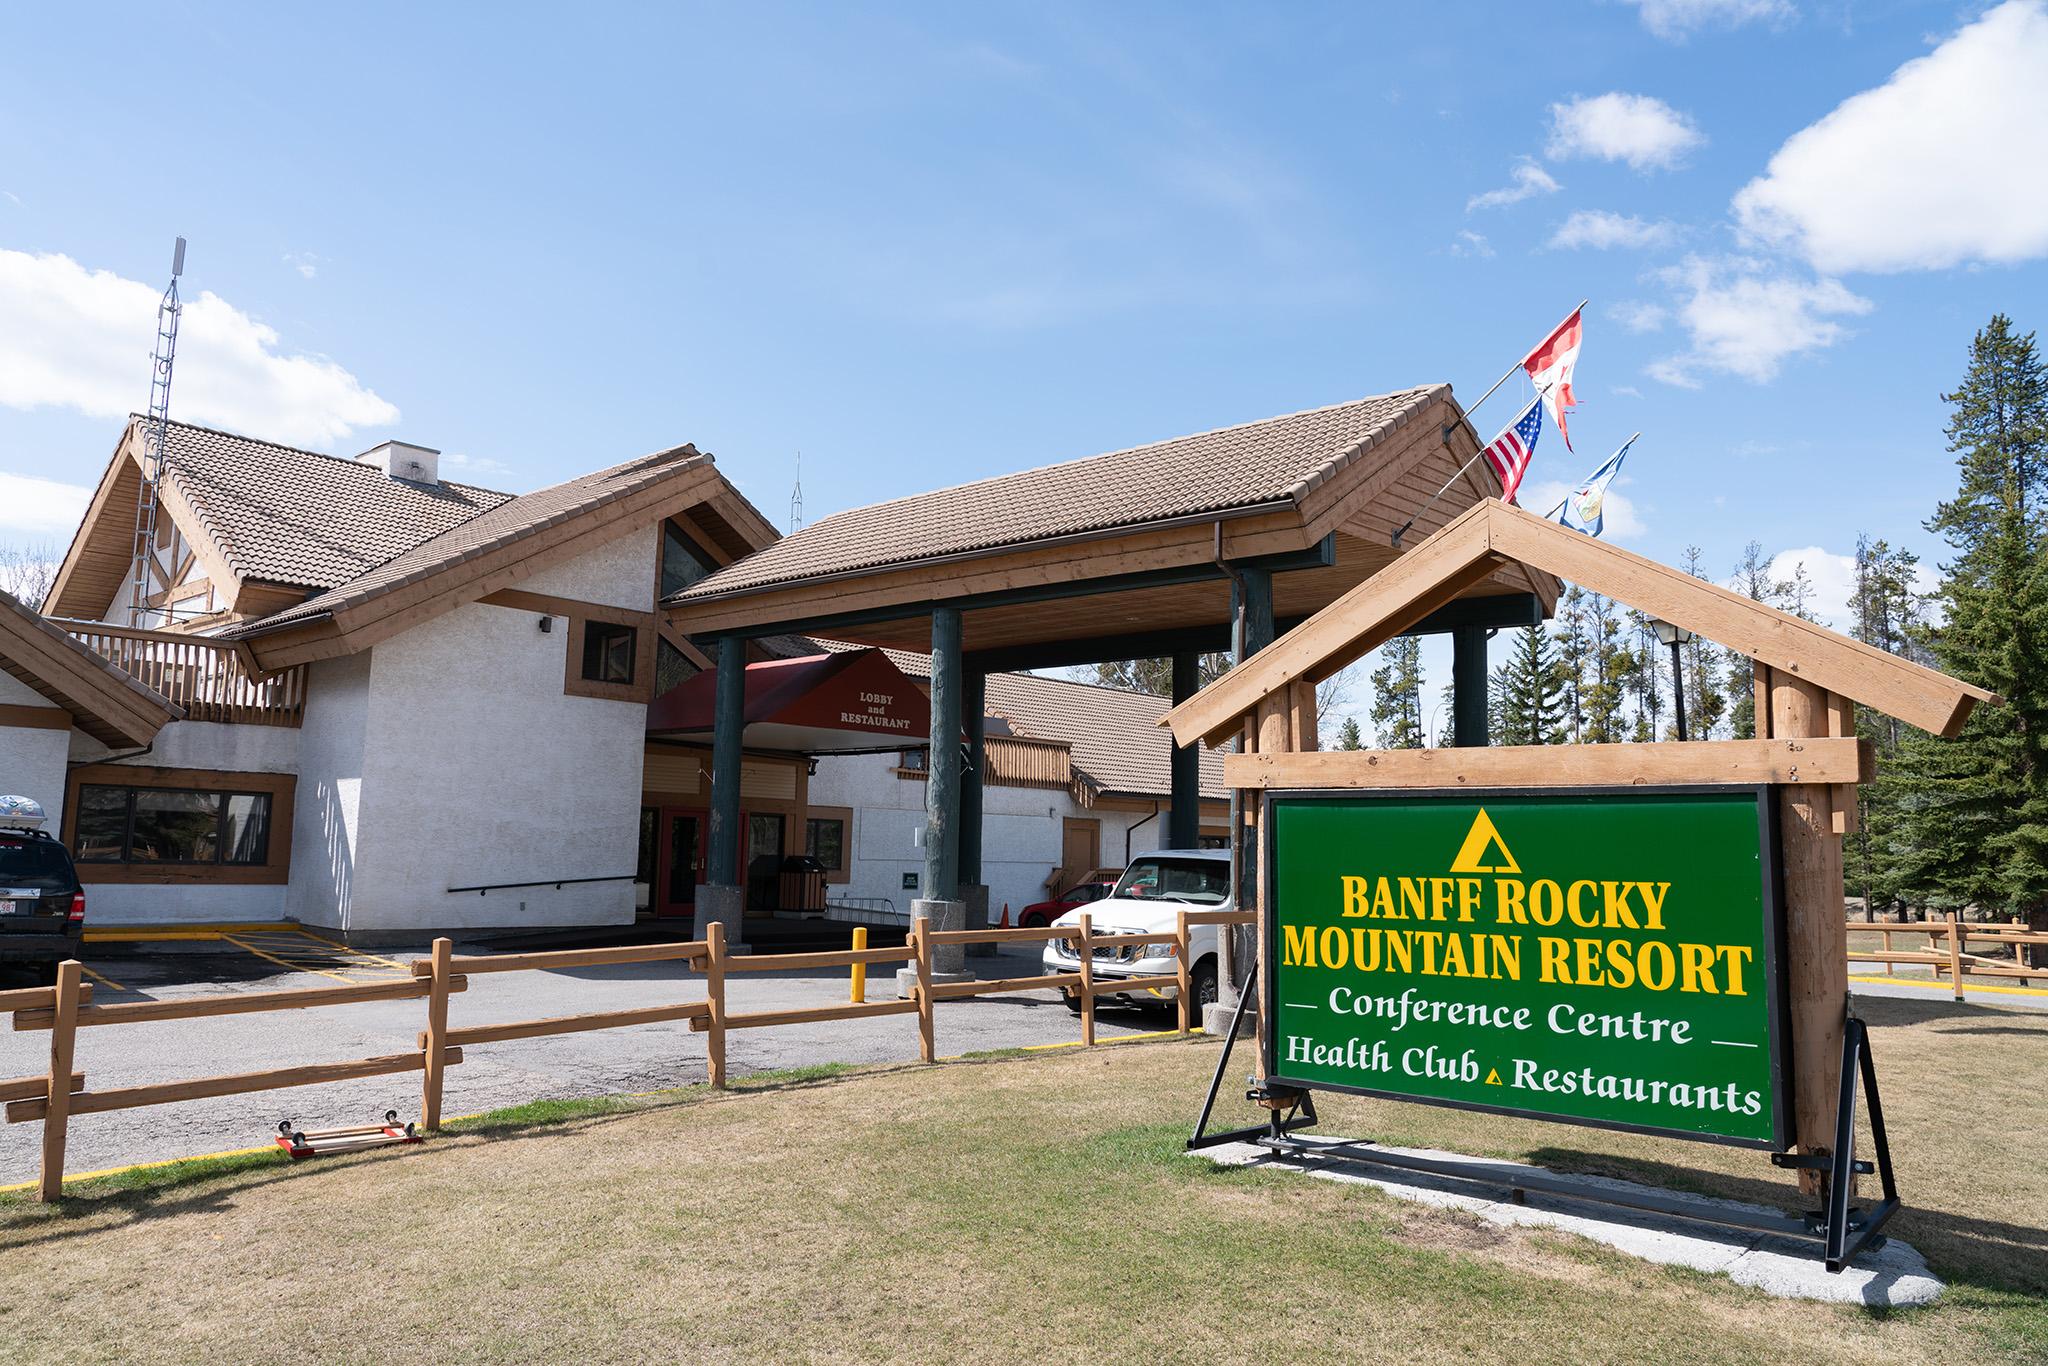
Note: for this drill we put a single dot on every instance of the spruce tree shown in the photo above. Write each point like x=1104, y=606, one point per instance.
x=1574, y=658
x=1754, y=581
x=1974, y=824
x=1887, y=610
x=1705, y=702
x=1530, y=686
x=1397, y=694
x=1606, y=671
x=1348, y=736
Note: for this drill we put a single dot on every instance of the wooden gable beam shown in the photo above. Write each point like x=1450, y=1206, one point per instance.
x=65, y=598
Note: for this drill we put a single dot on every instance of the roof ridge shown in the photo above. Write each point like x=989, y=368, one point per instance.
x=1127, y=450
x=351, y=461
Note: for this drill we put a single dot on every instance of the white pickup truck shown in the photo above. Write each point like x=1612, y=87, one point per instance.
x=1147, y=896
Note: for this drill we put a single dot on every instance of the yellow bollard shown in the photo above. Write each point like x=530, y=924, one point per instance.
x=860, y=970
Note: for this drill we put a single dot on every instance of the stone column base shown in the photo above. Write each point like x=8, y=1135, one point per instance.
x=726, y=905
x=944, y=915
x=906, y=981
x=1216, y=1019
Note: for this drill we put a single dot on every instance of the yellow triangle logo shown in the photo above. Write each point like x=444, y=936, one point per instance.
x=1480, y=842
x=1493, y=1076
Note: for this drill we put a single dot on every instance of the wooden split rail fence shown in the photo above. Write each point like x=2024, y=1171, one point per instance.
x=1948, y=952
x=64, y=1009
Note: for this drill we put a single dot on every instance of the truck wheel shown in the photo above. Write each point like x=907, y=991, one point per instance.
x=1072, y=998
x=1202, y=986
x=46, y=974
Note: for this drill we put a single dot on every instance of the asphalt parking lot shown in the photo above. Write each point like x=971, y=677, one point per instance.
x=641, y=1058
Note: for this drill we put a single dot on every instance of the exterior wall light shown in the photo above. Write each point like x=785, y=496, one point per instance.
x=547, y=624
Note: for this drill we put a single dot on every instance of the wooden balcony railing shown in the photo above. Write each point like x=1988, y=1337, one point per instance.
x=208, y=678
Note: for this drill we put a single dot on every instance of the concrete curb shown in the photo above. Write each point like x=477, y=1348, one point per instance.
x=1891, y=1277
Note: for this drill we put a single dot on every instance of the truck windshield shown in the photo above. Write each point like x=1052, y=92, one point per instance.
x=1201, y=882
x=40, y=864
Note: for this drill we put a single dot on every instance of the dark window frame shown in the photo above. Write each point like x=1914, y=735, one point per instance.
x=605, y=645
x=266, y=802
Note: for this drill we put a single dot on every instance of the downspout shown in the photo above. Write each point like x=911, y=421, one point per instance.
x=1129, y=830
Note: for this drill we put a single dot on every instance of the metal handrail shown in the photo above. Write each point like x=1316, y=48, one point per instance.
x=556, y=882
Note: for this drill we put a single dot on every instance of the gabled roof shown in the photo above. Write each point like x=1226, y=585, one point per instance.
x=496, y=550
x=266, y=512
x=104, y=702
x=1277, y=460
x=1492, y=533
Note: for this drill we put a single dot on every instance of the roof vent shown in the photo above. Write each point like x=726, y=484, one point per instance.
x=403, y=460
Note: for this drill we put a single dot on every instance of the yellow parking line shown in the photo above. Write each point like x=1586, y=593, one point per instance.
x=355, y=952
x=1944, y=986
x=70, y=1177
x=285, y=962
x=1112, y=1038
x=101, y=978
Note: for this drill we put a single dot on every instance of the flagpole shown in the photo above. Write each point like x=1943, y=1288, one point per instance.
x=1468, y=417
x=1567, y=498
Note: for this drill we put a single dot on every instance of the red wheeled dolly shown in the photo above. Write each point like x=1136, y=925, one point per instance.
x=303, y=1143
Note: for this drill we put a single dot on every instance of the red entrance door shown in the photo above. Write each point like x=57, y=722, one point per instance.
x=680, y=855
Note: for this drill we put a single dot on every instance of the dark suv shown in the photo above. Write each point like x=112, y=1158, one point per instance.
x=42, y=907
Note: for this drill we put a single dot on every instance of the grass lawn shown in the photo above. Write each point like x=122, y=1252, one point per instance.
x=1005, y=1209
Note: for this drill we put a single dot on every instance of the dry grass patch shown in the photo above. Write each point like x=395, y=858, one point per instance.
x=1002, y=1210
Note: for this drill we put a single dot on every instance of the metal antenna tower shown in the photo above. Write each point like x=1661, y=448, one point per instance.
x=155, y=434
x=796, y=498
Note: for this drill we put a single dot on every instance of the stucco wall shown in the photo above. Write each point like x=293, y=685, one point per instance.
x=1021, y=832
x=32, y=759
x=477, y=769
x=328, y=802
x=619, y=573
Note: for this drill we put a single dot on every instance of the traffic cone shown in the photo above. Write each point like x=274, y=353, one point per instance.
x=1006, y=917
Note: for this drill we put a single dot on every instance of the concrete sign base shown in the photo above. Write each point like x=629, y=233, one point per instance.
x=1892, y=1276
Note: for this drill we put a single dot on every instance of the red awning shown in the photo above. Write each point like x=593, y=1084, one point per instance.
x=819, y=704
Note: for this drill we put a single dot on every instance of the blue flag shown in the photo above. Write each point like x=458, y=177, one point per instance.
x=1585, y=507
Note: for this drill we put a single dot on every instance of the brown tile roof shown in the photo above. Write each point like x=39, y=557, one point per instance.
x=1117, y=743
x=1234, y=467
x=509, y=520
x=297, y=517
x=105, y=702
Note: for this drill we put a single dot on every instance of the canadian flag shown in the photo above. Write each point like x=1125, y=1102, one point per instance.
x=1550, y=368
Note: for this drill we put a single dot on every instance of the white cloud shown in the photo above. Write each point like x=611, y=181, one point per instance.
x=1471, y=243
x=465, y=468
x=1938, y=166
x=304, y=262
x=1639, y=315
x=1525, y=181
x=1675, y=19
x=1746, y=319
x=81, y=339
x=1621, y=517
x=1601, y=230
x=1640, y=129
x=1628, y=391
x=1833, y=577
x=34, y=508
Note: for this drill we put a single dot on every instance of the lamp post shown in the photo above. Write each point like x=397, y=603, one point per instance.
x=1675, y=636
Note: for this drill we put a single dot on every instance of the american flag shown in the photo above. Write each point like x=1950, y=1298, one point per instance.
x=1511, y=451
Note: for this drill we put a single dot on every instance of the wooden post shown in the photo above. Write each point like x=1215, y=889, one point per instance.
x=1181, y=968
x=1086, y=948
x=920, y=934
x=1816, y=930
x=860, y=970
x=1891, y=969
x=714, y=992
x=437, y=1036
x=63, y=1035
x=1275, y=725
x=1955, y=954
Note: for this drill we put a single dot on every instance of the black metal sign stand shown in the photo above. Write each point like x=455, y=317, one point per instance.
x=1841, y=1231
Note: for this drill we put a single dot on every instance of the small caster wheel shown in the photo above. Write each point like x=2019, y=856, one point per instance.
x=284, y=1126
x=408, y=1129
x=298, y=1139
x=391, y=1116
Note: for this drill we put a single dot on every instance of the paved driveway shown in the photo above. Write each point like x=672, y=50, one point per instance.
x=642, y=1058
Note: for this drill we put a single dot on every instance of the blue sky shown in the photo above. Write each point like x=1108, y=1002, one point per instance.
x=925, y=244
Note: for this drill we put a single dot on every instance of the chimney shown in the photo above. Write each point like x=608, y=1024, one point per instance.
x=403, y=460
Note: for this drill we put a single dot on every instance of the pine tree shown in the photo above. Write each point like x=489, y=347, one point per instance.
x=1753, y=580
x=1348, y=736
x=1397, y=695
x=1642, y=677
x=1705, y=702
x=1974, y=829
x=1888, y=611
x=1156, y=675
x=1530, y=685
x=1607, y=668
x=1574, y=657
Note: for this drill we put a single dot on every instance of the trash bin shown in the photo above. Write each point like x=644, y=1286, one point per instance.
x=800, y=884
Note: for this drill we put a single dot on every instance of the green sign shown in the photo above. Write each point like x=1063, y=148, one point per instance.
x=1606, y=957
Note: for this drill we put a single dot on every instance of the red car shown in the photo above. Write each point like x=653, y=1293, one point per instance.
x=1043, y=913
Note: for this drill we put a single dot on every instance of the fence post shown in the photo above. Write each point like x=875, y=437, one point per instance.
x=1180, y=966
x=714, y=992
x=1955, y=953
x=920, y=933
x=63, y=1034
x=1086, y=948
x=860, y=970
x=437, y=1036
x=1891, y=969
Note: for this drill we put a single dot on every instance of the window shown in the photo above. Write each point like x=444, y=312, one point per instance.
x=171, y=825
x=913, y=760
x=825, y=841
x=764, y=836
x=608, y=651
x=682, y=563
x=672, y=668
x=1199, y=882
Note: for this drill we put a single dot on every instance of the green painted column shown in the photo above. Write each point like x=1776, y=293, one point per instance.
x=1184, y=817
x=728, y=719
x=974, y=714
x=1468, y=686
x=942, y=783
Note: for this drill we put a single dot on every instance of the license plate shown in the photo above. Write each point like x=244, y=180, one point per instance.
x=9, y=907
